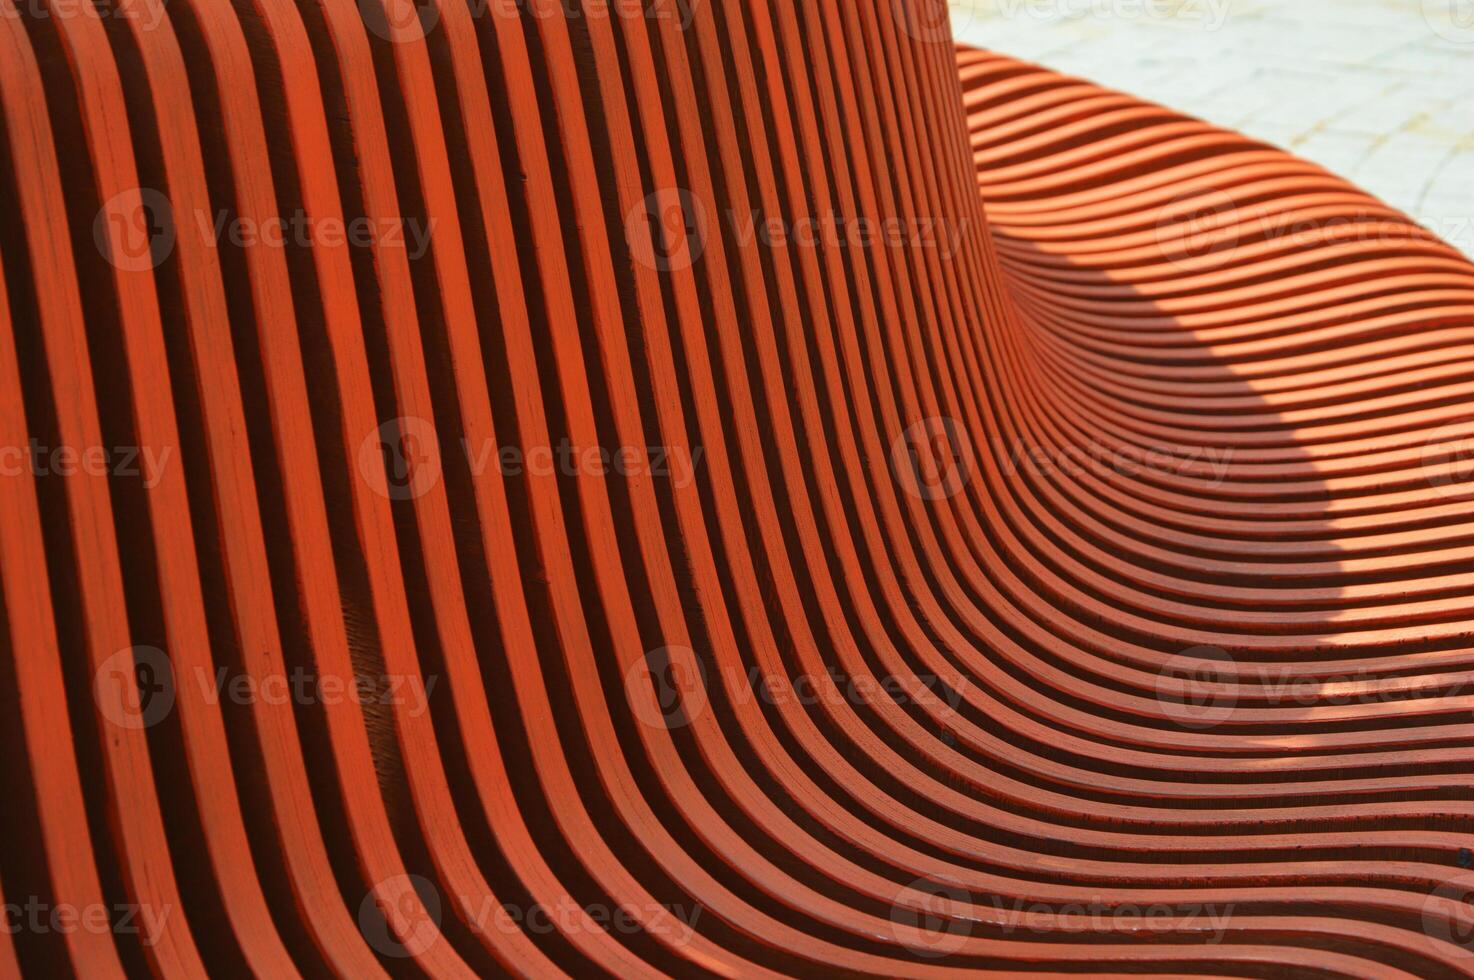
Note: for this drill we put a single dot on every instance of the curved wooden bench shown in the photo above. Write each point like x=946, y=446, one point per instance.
x=732, y=488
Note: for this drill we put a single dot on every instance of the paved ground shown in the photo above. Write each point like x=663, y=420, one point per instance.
x=1380, y=91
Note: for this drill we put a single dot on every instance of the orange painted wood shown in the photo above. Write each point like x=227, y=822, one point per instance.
x=725, y=488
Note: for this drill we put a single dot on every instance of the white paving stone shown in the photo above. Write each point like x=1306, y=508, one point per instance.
x=1380, y=91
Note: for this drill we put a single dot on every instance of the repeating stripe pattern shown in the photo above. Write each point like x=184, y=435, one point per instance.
x=582, y=488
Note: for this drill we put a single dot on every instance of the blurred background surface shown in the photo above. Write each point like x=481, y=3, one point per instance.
x=1379, y=91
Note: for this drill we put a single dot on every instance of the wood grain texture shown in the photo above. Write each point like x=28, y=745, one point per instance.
x=721, y=488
